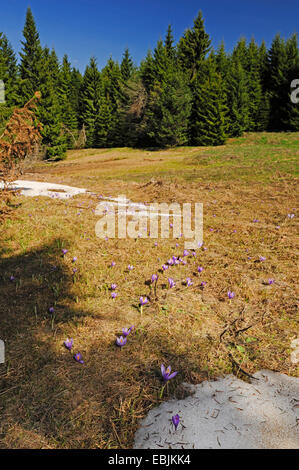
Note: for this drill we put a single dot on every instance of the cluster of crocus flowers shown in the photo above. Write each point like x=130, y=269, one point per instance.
x=122, y=340
x=68, y=345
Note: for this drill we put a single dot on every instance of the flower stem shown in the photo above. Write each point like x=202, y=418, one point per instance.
x=162, y=390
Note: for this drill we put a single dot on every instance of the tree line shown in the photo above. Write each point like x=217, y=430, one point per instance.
x=181, y=94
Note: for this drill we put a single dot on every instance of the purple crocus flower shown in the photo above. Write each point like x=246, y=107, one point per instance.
x=230, y=294
x=186, y=253
x=262, y=258
x=154, y=278
x=171, y=282
x=200, y=269
x=121, y=341
x=64, y=251
x=74, y=259
x=51, y=310
x=143, y=300
x=130, y=267
x=166, y=373
x=12, y=278
x=68, y=344
x=113, y=264
x=164, y=267
x=170, y=262
x=175, y=421
x=113, y=286
x=189, y=282
x=271, y=281
x=78, y=358
x=290, y=216
x=114, y=295
x=75, y=270
x=203, y=284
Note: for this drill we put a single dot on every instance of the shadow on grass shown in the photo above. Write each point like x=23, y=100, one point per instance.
x=41, y=394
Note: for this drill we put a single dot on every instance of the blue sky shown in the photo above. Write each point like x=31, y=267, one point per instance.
x=82, y=28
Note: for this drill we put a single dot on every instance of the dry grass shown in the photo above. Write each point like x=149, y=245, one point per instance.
x=46, y=398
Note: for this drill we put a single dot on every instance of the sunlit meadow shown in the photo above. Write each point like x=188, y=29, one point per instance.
x=91, y=326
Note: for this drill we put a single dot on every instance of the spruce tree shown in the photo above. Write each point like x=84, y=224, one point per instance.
x=90, y=95
x=31, y=55
x=254, y=89
x=132, y=110
x=69, y=113
x=193, y=48
x=237, y=99
x=126, y=66
x=168, y=110
x=111, y=92
x=222, y=61
x=49, y=111
x=147, y=71
x=103, y=124
x=276, y=83
x=169, y=44
x=208, y=117
x=9, y=71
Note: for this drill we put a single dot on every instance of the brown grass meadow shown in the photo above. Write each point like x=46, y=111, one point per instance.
x=48, y=400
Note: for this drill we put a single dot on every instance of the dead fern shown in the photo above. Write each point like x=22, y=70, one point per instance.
x=21, y=134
